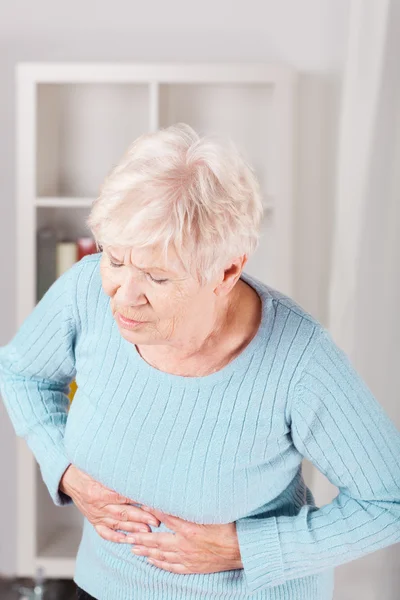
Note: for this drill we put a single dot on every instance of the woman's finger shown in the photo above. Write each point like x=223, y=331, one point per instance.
x=110, y=535
x=109, y=496
x=123, y=512
x=125, y=507
x=157, y=555
x=129, y=526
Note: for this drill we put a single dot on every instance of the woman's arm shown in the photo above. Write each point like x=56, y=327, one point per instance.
x=340, y=427
x=36, y=368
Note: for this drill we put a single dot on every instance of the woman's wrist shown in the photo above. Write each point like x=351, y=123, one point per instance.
x=63, y=487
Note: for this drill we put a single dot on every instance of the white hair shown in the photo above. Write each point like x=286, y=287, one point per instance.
x=173, y=186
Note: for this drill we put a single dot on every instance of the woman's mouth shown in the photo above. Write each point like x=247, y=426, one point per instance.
x=125, y=322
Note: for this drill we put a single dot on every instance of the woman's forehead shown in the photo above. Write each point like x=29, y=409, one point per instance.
x=147, y=258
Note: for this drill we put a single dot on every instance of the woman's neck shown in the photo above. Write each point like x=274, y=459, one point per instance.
x=238, y=325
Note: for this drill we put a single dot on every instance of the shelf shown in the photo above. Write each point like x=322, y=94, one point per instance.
x=63, y=202
x=75, y=122
x=125, y=72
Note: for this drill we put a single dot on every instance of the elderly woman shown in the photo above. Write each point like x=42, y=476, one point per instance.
x=200, y=390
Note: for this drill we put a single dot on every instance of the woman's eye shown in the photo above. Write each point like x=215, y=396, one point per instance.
x=156, y=280
x=116, y=265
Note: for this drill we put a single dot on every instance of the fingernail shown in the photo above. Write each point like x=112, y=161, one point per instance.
x=153, y=522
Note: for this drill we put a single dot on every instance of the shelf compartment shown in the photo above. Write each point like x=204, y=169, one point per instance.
x=82, y=132
x=57, y=556
x=67, y=220
x=58, y=533
x=242, y=112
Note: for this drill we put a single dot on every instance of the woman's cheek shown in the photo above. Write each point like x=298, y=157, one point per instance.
x=109, y=282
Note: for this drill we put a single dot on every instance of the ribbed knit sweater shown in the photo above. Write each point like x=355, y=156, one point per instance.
x=221, y=448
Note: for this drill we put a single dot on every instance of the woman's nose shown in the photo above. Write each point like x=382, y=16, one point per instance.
x=132, y=289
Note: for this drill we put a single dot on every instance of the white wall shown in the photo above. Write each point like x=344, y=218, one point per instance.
x=310, y=35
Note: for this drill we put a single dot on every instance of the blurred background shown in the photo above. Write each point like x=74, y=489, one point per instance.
x=342, y=206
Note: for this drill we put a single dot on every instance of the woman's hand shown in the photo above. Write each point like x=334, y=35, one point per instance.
x=193, y=548
x=104, y=508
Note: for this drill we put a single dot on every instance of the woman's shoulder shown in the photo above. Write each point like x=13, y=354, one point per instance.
x=85, y=284
x=289, y=330
x=88, y=261
x=86, y=269
x=284, y=305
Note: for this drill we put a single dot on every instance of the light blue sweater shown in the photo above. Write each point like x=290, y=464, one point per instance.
x=226, y=447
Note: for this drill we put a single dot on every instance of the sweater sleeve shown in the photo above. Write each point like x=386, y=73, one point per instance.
x=338, y=425
x=36, y=368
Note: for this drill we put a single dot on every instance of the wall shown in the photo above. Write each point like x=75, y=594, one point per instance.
x=310, y=35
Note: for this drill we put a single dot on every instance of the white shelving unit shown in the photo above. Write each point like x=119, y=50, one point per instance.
x=74, y=122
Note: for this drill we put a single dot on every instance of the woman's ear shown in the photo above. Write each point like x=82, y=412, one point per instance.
x=230, y=275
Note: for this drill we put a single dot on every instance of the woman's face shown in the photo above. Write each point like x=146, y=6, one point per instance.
x=170, y=305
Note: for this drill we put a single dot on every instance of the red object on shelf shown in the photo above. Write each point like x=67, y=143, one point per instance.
x=85, y=245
